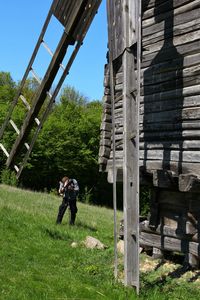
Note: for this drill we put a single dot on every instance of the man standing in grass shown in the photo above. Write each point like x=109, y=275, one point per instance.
x=69, y=190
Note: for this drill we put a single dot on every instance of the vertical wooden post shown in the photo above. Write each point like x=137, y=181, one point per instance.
x=112, y=92
x=131, y=154
x=114, y=169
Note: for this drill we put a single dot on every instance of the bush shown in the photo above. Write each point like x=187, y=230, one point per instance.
x=87, y=196
x=8, y=177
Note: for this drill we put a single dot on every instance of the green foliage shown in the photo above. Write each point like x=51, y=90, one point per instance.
x=67, y=145
x=7, y=94
x=87, y=196
x=7, y=88
x=71, y=95
x=8, y=177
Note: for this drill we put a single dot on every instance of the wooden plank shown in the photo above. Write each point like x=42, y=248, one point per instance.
x=189, y=183
x=147, y=168
x=112, y=90
x=167, y=66
x=179, y=206
x=191, y=144
x=106, y=126
x=105, y=142
x=166, y=230
x=169, y=53
x=192, y=5
x=106, y=118
x=176, y=156
x=174, y=94
x=176, y=83
x=169, y=243
x=171, y=137
x=161, y=149
x=150, y=165
x=105, y=135
x=164, y=179
x=14, y=126
x=176, y=115
x=102, y=161
x=104, y=151
x=172, y=131
x=130, y=152
x=178, y=20
x=147, y=4
x=117, y=29
x=90, y=11
x=64, y=9
x=169, y=74
x=107, y=98
x=178, y=30
x=4, y=150
x=177, y=41
x=163, y=7
x=170, y=104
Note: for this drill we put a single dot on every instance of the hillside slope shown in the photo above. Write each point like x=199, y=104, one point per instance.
x=38, y=262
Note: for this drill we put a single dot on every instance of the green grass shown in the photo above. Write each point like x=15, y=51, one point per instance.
x=38, y=262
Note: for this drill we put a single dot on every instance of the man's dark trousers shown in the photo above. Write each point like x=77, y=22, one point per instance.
x=68, y=200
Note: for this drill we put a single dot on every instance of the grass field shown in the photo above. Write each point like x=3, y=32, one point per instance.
x=38, y=262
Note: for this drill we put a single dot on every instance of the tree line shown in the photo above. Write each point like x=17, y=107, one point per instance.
x=68, y=143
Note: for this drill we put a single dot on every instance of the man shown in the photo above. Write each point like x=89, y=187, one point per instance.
x=69, y=190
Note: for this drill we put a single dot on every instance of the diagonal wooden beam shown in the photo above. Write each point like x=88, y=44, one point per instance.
x=49, y=77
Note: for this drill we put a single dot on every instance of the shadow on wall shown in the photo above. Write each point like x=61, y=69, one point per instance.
x=162, y=91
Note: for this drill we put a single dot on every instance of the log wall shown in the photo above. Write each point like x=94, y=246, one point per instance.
x=169, y=123
x=170, y=90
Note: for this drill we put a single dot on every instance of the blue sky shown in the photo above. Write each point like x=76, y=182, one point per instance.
x=20, y=24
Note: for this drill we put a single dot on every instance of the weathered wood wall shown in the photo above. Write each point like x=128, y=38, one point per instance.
x=169, y=121
x=174, y=224
x=170, y=90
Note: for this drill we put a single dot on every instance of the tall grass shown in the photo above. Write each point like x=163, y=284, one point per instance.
x=38, y=262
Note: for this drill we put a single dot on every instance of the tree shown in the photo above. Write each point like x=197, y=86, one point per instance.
x=68, y=143
x=7, y=93
x=7, y=88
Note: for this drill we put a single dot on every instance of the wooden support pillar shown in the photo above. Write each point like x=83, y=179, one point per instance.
x=130, y=175
x=131, y=154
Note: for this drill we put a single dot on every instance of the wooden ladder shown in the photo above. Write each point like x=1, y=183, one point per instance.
x=75, y=16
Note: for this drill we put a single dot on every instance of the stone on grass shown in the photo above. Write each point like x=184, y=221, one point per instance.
x=74, y=245
x=120, y=247
x=93, y=243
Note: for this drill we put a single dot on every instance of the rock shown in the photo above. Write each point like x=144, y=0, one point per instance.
x=74, y=245
x=140, y=249
x=92, y=243
x=120, y=246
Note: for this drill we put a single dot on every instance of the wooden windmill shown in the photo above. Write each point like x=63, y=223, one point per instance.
x=124, y=37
